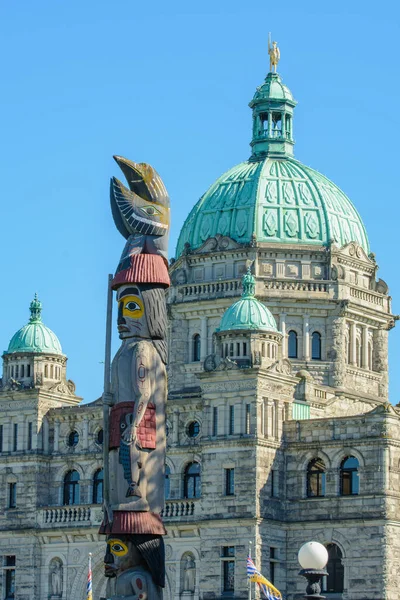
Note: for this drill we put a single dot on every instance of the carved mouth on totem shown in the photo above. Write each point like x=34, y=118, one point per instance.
x=123, y=328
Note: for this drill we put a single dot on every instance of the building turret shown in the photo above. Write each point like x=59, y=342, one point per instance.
x=34, y=357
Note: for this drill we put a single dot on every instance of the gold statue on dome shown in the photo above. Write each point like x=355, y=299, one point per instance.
x=274, y=54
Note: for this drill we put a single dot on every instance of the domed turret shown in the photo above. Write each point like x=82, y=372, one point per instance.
x=248, y=333
x=34, y=356
x=35, y=336
x=248, y=313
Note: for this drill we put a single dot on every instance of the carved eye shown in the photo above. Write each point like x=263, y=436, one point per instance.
x=132, y=306
x=123, y=425
x=117, y=547
x=150, y=210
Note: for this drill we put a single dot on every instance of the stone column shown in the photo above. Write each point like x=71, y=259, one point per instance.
x=7, y=435
x=203, y=337
x=353, y=347
x=380, y=358
x=365, y=347
x=277, y=432
x=175, y=428
x=282, y=326
x=85, y=440
x=45, y=435
x=56, y=435
x=337, y=352
x=306, y=337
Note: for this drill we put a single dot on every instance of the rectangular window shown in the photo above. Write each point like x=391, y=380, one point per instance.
x=1, y=438
x=229, y=482
x=28, y=370
x=30, y=436
x=15, y=439
x=12, y=495
x=248, y=417
x=16, y=371
x=228, y=568
x=9, y=577
x=215, y=421
x=231, y=420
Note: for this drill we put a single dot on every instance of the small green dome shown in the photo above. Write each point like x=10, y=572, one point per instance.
x=35, y=336
x=248, y=313
x=273, y=89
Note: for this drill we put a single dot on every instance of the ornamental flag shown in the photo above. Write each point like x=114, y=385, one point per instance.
x=269, y=591
x=89, y=595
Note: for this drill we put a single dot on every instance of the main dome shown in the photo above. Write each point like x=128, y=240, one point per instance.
x=35, y=336
x=273, y=196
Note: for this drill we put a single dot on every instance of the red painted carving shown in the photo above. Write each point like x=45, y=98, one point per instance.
x=146, y=429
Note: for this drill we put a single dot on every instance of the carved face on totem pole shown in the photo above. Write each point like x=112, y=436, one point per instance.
x=121, y=555
x=132, y=320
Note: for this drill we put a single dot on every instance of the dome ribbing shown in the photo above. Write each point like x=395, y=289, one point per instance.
x=248, y=313
x=35, y=336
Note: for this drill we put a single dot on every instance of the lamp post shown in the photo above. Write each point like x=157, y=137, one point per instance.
x=313, y=558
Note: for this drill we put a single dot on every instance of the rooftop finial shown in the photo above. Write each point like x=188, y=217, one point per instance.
x=36, y=309
x=274, y=54
x=248, y=284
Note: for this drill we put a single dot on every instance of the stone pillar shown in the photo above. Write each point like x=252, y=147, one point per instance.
x=203, y=337
x=337, y=352
x=282, y=326
x=56, y=436
x=175, y=428
x=353, y=347
x=365, y=347
x=277, y=432
x=380, y=359
x=7, y=435
x=306, y=337
x=45, y=436
x=85, y=440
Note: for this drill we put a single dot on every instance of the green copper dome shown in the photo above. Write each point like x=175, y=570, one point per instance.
x=248, y=313
x=35, y=336
x=273, y=196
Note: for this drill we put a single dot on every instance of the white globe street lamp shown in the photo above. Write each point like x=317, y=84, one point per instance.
x=313, y=557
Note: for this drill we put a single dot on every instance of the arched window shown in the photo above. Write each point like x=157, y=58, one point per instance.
x=192, y=481
x=316, y=346
x=316, y=478
x=167, y=486
x=98, y=487
x=334, y=582
x=71, y=488
x=46, y=370
x=292, y=344
x=196, y=347
x=349, y=477
x=51, y=372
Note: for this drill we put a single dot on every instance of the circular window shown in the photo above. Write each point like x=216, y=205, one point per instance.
x=193, y=429
x=100, y=437
x=73, y=439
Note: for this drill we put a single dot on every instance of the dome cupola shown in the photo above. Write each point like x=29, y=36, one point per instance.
x=272, y=198
x=248, y=313
x=272, y=106
x=35, y=336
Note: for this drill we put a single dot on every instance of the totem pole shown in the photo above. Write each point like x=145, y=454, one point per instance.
x=134, y=400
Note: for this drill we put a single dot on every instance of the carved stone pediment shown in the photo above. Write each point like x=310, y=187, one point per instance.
x=63, y=387
x=355, y=251
x=282, y=366
x=385, y=408
x=217, y=243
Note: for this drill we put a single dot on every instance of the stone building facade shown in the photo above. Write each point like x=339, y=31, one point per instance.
x=279, y=426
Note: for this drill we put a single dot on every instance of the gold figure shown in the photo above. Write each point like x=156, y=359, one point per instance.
x=274, y=55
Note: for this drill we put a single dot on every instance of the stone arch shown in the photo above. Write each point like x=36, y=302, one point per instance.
x=171, y=465
x=61, y=474
x=310, y=455
x=78, y=589
x=341, y=454
x=56, y=577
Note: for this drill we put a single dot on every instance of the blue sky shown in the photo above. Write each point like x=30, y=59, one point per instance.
x=169, y=83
